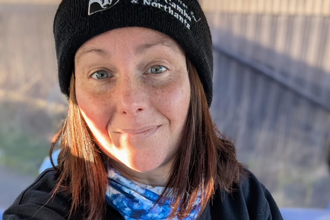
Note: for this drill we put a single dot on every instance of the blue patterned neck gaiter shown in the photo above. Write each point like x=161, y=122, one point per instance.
x=136, y=201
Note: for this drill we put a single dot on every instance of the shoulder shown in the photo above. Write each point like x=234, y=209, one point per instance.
x=37, y=202
x=248, y=200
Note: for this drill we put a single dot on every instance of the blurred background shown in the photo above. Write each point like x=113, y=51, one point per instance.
x=271, y=92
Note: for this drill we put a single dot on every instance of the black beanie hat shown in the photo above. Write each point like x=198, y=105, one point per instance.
x=77, y=21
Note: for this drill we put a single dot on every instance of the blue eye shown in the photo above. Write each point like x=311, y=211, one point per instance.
x=101, y=74
x=156, y=69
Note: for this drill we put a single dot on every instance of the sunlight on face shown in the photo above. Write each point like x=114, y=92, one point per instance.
x=133, y=90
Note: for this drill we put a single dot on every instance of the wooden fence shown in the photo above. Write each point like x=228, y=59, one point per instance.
x=272, y=91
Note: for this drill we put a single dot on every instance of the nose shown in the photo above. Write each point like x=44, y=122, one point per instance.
x=132, y=97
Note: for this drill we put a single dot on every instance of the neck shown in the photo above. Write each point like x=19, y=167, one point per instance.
x=157, y=177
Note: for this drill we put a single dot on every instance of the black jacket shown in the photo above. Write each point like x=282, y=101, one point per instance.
x=250, y=200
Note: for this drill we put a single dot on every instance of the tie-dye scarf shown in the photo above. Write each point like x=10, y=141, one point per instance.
x=136, y=201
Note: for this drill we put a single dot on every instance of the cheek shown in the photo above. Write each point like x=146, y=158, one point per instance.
x=174, y=102
x=93, y=109
x=95, y=118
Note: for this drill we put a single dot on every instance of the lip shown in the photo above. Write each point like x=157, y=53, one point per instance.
x=139, y=133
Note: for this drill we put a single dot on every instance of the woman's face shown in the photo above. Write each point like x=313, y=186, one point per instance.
x=133, y=90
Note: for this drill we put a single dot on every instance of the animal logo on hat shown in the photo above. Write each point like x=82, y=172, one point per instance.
x=95, y=6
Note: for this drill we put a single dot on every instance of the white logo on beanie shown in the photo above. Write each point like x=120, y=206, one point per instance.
x=176, y=8
x=95, y=6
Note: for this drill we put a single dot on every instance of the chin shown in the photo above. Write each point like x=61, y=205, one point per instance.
x=140, y=158
x=144, y=164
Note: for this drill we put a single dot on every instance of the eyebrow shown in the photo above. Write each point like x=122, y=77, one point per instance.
x=139, y=50
x=163, y=41
x=101, y=52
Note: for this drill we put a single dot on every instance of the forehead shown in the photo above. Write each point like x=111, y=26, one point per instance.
x=137, y=38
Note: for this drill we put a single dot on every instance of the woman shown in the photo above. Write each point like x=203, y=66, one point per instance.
x=138, y=141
